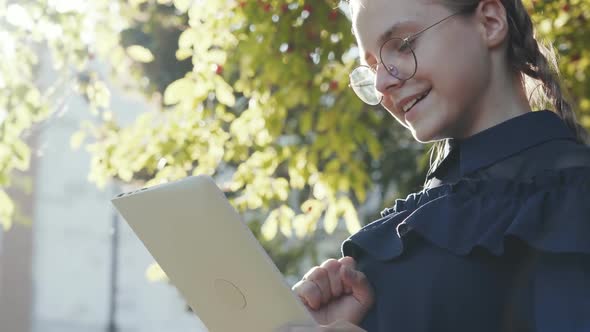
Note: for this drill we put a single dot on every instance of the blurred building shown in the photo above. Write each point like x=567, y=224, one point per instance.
x=71, y=271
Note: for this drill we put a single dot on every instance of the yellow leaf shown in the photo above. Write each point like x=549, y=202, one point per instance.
x=77, y=139
x=297, y=181
x=154, y=273
x=136, y=3
x=6, y=210
x=285, y=217
x=187, y=39
x=225, y=93
x=300, y=223
x=177, y=90
x=281, y=188
x=140, y=53
x=182, y=5
x=330, y=219
x=22, y=155
x=562, y=19
x=351, y=218
x=312, y=207
x=183, y=54
x=270, y=227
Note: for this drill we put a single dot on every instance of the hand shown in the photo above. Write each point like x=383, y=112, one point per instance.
x=336, y=291
x=339, y=326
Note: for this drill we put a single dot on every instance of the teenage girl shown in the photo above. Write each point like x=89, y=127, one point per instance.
x=499, y=238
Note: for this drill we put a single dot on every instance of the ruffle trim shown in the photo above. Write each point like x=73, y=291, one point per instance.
x=550, y=212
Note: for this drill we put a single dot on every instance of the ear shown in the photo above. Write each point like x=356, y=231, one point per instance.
x=491, y=15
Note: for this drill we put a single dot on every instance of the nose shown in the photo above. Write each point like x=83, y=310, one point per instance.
x=384, y=80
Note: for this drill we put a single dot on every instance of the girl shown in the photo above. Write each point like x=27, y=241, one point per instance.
x=499, y=238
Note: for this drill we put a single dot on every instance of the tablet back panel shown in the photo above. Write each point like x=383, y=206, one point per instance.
x=211, y=256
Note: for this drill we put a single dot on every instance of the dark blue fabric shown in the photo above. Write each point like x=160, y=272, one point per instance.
x=502, y=243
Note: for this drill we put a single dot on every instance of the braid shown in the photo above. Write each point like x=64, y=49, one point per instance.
x=539, y=63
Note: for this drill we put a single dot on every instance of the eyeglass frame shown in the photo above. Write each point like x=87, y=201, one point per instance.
x=405, y=43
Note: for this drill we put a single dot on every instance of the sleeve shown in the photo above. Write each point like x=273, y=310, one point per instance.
x=561, y=292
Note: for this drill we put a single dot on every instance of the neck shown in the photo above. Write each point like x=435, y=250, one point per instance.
x=504, y=99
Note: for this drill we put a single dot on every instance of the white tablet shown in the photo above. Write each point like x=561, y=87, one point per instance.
x=211, y=256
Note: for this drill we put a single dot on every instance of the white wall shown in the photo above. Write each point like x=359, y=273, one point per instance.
x=72, y=244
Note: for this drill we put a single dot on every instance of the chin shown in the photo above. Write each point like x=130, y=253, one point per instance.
x=425, y=135
x=422, y=139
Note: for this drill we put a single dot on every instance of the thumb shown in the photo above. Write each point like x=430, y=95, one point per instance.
x=358, y=283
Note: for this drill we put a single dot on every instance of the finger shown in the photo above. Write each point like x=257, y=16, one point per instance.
x=358, y=282
x=309, y=293
x=320, y=277
x=333, y=268
x=350, y=262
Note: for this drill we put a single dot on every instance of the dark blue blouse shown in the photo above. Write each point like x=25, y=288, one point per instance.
x=499, y=240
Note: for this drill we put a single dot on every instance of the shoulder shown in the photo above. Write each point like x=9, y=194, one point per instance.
x=559, y=154
x=553, y=155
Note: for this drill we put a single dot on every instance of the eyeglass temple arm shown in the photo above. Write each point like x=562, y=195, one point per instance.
x=444, y=19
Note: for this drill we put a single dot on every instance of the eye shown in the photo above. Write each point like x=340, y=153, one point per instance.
x=407, y=45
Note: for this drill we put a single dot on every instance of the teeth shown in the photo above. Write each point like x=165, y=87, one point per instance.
x=413, y=102
x=410, y=104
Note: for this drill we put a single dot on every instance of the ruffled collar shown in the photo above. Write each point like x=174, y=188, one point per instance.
x=502, y=141
x=551, y=212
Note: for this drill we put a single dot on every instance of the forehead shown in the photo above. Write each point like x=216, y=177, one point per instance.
x=372, y=18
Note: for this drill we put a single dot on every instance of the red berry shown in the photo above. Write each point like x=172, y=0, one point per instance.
x=576, y=57
x=333, y=16
x=566, y=8
x=266, y=7
x=285, y=8
x=218, y=69
x=308, y=8
x=334, y=85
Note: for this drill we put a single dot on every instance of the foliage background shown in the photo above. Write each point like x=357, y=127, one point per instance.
x=253, y=92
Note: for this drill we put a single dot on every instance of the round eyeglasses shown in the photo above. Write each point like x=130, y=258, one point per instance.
x=399, y=60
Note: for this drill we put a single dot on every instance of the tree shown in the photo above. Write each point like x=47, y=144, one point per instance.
x=254, y=88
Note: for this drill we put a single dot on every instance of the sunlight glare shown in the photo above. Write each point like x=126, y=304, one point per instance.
x=66, y=6
x=19, y=17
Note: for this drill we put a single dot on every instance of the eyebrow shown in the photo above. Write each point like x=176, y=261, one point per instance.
x=395, y=29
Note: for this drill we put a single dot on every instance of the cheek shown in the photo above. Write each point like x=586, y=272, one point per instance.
x=455, y=70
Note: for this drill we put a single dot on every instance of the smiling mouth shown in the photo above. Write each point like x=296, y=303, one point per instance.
x=413, y=103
